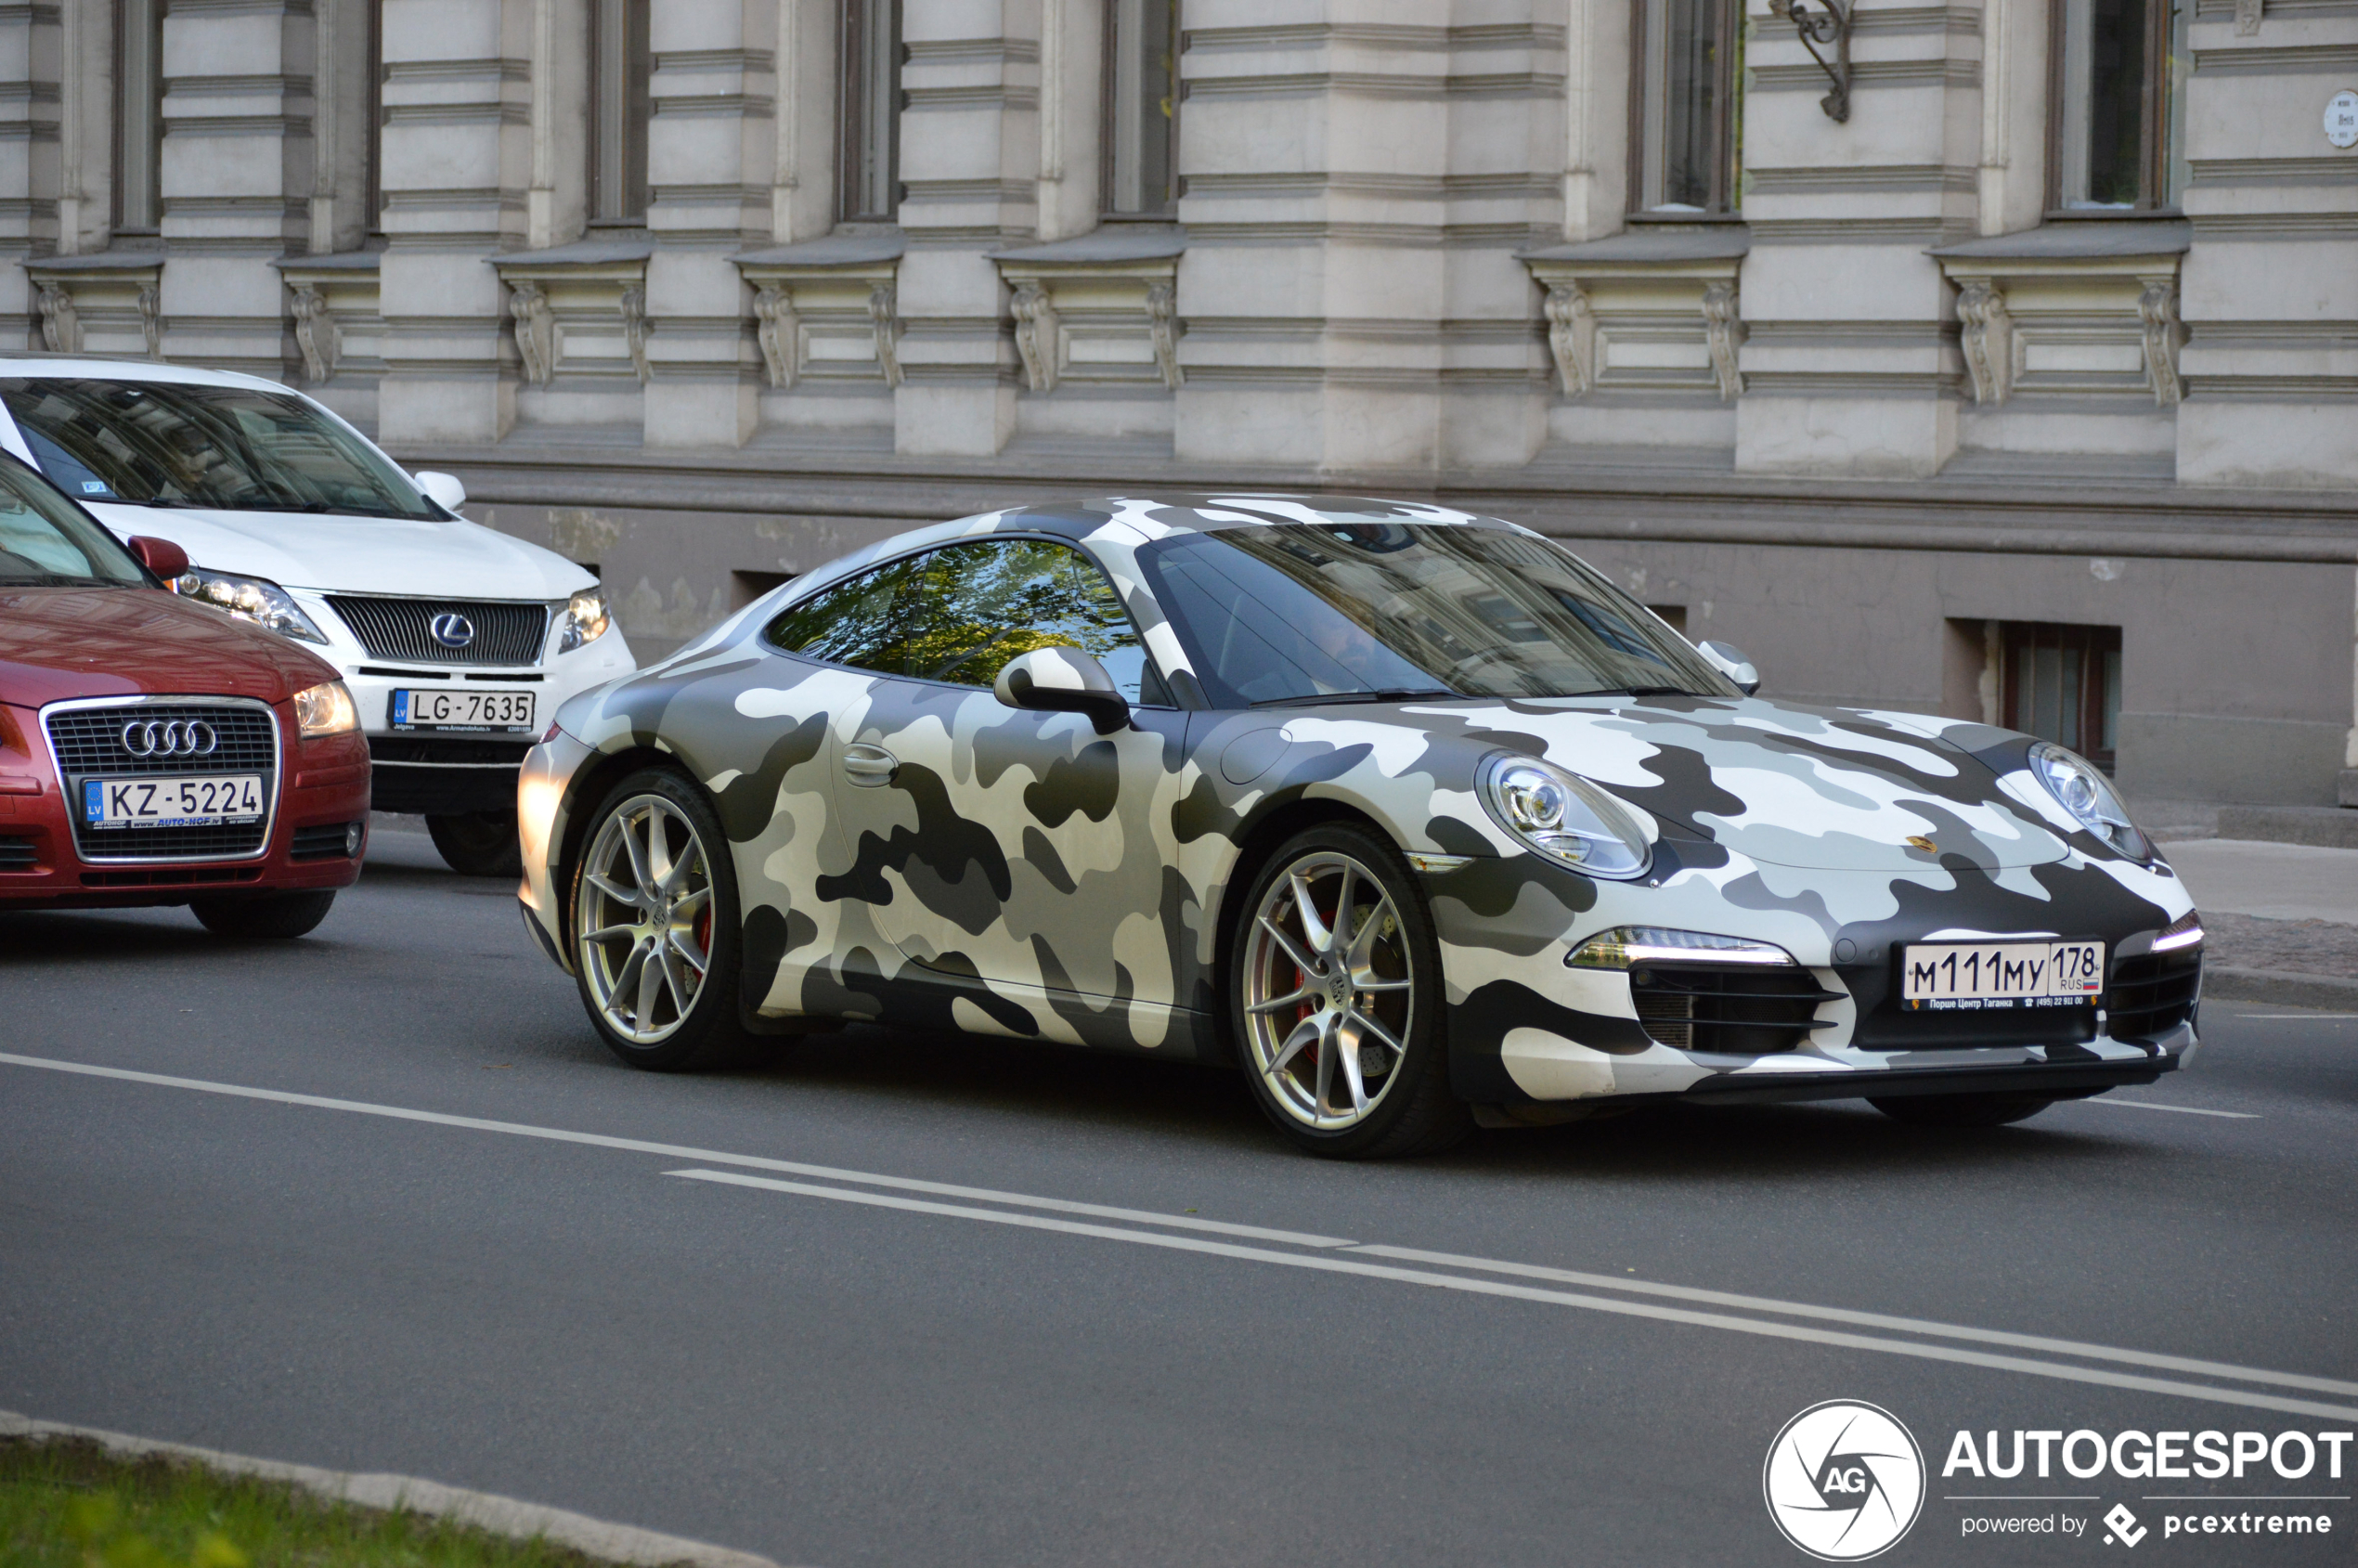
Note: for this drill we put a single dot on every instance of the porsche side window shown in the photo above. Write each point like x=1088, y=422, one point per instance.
x=969, y=608
x=851, y=623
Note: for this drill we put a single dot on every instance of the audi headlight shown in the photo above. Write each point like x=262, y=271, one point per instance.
x=1565, y=817
x=249, y=599
x=326, y=709
x=585, y=621
x=2089, y=796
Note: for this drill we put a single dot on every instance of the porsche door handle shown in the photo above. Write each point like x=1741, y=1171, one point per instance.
x=869, y=766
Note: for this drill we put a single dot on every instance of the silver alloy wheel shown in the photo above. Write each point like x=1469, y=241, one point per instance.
x=645, y=918
x=1329, y=985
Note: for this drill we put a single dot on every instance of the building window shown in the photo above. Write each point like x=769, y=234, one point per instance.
x=620, y=68
x=1686, y=127
x=2062, y=683
x=138, y=119
x=2118, y=66
x=1142, y=108
x=373, y=98
x=870, y=178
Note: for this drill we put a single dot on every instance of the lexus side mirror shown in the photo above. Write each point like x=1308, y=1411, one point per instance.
x=1729, y=661
x=1063, y=680
x=443, y=489
x=162, y=557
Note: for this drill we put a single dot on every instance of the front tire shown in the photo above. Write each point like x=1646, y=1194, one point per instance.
x=1961, y=1110
x=1335, y=996
x=477, y=843
x=654, y=926
x=272, y=918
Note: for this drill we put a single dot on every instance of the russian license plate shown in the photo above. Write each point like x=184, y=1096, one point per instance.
x=490, y=712
x=191, y=802
x=1938, y=975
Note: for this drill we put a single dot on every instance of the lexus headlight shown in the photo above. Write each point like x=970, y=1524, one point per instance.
x=326, y=709
x=2089, y=796
x=1565, y=817
x=249, y=599
x=585, y=619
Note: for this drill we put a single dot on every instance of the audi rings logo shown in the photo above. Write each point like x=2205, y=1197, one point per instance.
x=170, y=737
x=451, y=629
x=1845, y=1481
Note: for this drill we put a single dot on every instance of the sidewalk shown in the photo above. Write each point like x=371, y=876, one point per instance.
x=2281, y=920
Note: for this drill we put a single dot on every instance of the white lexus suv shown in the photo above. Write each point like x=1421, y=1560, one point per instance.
x=457, y=642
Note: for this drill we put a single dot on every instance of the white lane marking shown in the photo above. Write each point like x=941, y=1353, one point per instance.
x=674, y=1151
x=640, y=1145
x=2183, y=1111
x=1332, y=1262
x=1871, y=1320
x=2293, y=1017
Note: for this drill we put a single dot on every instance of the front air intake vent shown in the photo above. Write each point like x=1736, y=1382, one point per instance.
x=446, y=631
x=1726, y=1009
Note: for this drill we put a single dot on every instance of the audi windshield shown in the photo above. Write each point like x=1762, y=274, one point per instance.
x=1375, y=611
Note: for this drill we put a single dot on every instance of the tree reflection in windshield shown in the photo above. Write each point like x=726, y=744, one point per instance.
x=1311, y=610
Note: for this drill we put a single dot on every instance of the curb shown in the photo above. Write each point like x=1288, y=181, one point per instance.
x=484, y=1511
x=2284, y=988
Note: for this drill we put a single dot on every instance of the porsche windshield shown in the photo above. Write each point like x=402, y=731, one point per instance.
x=1344, y=611
x=227, y=447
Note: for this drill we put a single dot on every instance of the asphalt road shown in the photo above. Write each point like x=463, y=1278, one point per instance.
x=849, y=1367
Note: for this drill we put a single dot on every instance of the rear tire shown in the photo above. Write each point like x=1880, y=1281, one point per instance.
x=273, y=916
x=1961, y=1110
x=654, y=932
x=478, y=843
x=1335, y=1000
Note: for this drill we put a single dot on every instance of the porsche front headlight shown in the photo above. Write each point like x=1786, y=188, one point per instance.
x=1565, y=817
x=2083, y=790
x=585, y=620
x=249, y=599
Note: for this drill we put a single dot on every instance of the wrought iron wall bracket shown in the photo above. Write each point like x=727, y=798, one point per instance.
x=1828, y=27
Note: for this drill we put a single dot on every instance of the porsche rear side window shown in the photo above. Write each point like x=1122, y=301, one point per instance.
x=1301, y=610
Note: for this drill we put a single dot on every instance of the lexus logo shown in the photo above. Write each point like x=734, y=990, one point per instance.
x=160, y=737
x=453, y=630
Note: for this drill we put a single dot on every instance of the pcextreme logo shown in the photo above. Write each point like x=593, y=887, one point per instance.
x=1845, y=1481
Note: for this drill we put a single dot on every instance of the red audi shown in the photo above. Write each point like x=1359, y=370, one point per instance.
x=159, y=750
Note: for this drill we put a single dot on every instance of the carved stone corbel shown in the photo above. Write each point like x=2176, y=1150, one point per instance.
x=1723, y=330
x=316, y=332
x=2248, y=14
x=2158, y=309
x=1163, y=322
x=61, y=323
x=1572, y=337
x=535, y=330
x=884, y=314
x=1036, y=336
x=775, y=329
x=1987, y=335
x=634, y=329
x=152, y=319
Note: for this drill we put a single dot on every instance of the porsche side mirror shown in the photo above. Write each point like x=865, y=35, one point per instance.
x=1729, y=661
x=443, y=489
x=1063, y=680
x=162, y=557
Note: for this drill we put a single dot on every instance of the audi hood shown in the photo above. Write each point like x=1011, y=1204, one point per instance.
x=61, y=643
x=334, y=553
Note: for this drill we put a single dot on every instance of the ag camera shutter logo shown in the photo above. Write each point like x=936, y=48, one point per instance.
x=1845, y=1481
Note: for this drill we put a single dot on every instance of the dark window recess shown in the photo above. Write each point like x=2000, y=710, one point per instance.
x=868, y=129
x=16, y=852
x=621, y=67
x=321, y=841
x=1726, y=1009
x=2118, y=123
x=746, y=586
x=2062, y=683
x=1141, y=93
x=2153, y=995
x=1686, y=117
x=1673, y=615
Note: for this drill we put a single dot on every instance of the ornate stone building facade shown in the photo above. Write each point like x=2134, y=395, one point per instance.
x=1991, y=356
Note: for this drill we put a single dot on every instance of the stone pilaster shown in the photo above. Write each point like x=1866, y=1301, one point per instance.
x=29, y=138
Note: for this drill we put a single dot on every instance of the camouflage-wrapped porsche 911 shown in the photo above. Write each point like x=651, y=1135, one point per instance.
x=1410, y=813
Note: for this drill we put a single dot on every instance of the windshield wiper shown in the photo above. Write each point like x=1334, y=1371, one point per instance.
x=1391, y=694
x=60, y=580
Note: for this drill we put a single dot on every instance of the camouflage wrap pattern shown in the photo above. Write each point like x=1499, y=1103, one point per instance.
x=1020, y=874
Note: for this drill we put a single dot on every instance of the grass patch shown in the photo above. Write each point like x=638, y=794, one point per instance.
x=68, y=1504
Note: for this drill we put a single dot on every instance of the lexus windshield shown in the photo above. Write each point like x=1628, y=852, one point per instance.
x=1379, y=610
x=223, y=447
